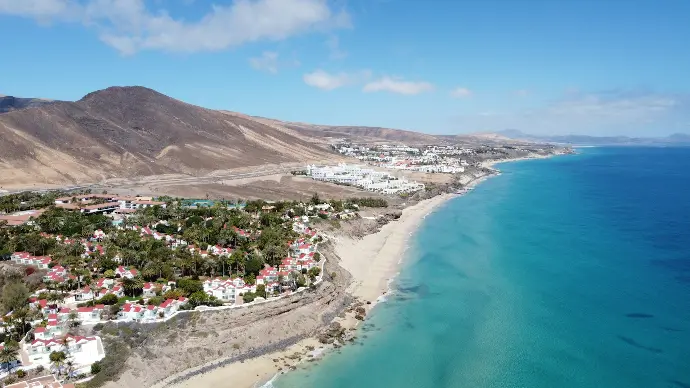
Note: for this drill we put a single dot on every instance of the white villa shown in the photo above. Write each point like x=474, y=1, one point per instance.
x=83, y=350
x=227, y=290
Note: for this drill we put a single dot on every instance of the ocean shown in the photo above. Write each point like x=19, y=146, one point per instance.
x=567, y=272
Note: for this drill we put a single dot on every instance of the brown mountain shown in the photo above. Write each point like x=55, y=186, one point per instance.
x=356, y=134
x=133, y=131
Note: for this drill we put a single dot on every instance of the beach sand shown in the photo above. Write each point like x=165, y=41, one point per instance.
x=373, y=261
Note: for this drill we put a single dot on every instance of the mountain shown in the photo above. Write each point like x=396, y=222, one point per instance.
x=135, y=131
x=361, y=134
x=364, y=134
x=675, y=139
x=9, y=103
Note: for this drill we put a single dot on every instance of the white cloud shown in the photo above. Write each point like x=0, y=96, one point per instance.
x=129, y=26
x=617, y=112
x=461, y=93
x=327, y=81
x=333, y=44
x=42, y=10
x=393, y=85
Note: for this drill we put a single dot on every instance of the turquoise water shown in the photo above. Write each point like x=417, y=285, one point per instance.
x=568, y=272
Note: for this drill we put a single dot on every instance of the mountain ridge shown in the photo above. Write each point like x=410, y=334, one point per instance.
x=12, y=103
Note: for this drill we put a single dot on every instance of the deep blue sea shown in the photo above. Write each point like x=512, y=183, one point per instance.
x=567, y=272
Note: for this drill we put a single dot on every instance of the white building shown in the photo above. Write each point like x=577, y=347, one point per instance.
x=82, y=350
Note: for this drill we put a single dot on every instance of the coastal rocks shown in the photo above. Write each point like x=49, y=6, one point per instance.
x=334, y=332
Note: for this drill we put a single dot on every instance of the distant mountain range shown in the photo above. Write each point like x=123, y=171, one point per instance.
x=675, y=139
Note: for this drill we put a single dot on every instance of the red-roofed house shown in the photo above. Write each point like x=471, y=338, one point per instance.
x=90, y=314
x=83, y=350
x=150, y=289
x=126, y=272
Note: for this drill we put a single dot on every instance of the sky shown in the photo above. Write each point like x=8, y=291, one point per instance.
x=595, y=67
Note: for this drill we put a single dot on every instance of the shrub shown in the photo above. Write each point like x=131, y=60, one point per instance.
x=95, y=368
x=190, y=286
x=21, y=374
x=156, y=300
x=109, y=299
x=174, y=294
x=248, y=297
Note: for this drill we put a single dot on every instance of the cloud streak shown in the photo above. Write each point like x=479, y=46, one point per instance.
x=328, y=81
x=397, y=86
x=616, y=112
x=129, y=26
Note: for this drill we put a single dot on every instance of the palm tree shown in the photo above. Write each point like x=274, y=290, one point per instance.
x=131, y=285
x=8, y=354
x=20, y=316
x=237, y=258
x=57, y=359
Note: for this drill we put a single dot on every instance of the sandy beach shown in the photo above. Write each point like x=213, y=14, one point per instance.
x=373, y=262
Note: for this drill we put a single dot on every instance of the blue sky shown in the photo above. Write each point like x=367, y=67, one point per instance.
x=600, y=67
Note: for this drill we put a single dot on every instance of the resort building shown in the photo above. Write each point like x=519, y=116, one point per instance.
x=83, y=350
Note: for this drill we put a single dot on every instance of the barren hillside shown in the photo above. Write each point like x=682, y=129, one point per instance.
x=135, y=131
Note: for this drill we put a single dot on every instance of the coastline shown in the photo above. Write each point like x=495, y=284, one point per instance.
x=373, y=261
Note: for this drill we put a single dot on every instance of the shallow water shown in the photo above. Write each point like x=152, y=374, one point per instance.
x=567, y=272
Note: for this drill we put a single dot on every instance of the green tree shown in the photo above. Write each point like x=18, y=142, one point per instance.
x=190, y=286
x=248, y=297
x=15, y=295
x=73, y=319
x=8, y=354
x=108, y=299
x=254, y=265
x=133, y=286
x=300, y=281
x=198, y=298
x=261, y=290
x=57, y=359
